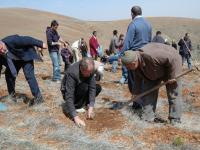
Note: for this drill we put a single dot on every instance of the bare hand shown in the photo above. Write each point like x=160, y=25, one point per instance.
x=44, y=46
x=90, y=113
x=79, y=122
x=39, y=49
x=119, y=61
x=3, y=50
x=171, y=81
x=59, y=43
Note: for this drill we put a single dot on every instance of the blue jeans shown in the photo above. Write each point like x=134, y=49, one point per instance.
x=113, y=58
x=124, y=78
x=114, y=61
x=189, y=61
x=114, y=66
x=56, y=67
x=59, y=59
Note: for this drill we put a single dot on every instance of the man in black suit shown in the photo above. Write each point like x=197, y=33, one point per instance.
x=18, y=52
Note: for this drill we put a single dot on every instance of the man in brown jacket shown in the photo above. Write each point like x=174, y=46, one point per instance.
x=152, y=64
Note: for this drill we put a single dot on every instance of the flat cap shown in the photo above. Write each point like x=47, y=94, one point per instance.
x=129, y=57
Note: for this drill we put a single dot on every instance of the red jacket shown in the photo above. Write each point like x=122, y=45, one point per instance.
x=93, y=46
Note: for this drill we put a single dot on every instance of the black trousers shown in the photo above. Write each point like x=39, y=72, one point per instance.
x=84, y=53
x=66, y=66
x=82, y=95
x=28, y=69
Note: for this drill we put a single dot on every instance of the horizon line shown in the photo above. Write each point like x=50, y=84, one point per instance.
x=55, y=13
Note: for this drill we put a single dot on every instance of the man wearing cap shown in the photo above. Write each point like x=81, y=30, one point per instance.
x=18, y=52
x=150, y=65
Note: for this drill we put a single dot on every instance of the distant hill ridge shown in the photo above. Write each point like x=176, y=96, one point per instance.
x=33, y=22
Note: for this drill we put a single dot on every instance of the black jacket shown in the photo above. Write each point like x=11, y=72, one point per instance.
x=69, y=84
x=52, y=36
x=22, y=47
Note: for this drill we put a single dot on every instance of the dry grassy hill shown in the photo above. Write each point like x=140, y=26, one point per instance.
x=34, y=22
x=46, y=127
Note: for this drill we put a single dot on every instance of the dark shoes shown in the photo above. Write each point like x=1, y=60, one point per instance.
x=159, y=119
x=175, y=121
x=36, y=101
x=57, y=81
x=137, y=109
x=12, y=97
x=136, y=106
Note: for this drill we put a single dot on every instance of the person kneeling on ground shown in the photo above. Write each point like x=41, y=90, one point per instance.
x=79, y=89
x=18, y=52
x=150, y=65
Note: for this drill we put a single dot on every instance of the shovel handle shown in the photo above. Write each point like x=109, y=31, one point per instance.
x=158, y=86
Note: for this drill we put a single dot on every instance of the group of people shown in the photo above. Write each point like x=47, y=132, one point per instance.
x=146, y=62
x=116, y=45
x=184, y=43
x=70, y=53
x=145, y=65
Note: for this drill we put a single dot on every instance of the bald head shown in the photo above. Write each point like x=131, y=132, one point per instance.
x=135, y=11
x=3, y=48
x=86, y=66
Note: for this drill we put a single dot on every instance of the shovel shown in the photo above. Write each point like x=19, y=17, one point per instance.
x=120, y=105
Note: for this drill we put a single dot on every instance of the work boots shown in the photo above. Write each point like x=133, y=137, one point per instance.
x=36, y=101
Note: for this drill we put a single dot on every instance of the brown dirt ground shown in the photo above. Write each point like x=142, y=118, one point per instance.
x=105, y=119
x=167, y=135
x=120, y=138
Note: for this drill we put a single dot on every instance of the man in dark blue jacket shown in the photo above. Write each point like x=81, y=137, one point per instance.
x=18, y=52
x=54, y=42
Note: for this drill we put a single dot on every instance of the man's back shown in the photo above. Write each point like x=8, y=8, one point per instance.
x=138, y=34
x=160, y=61
x=22, y=47
x=113, y=44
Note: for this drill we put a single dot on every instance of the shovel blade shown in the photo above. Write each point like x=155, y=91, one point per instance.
x=118, y=105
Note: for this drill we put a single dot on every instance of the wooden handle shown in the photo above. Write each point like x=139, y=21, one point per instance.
x=157, y=87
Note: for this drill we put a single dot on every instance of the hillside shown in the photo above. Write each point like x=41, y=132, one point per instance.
x=46, y=127
x=32, y=22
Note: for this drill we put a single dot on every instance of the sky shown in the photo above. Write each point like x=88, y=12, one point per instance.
x=104, y=10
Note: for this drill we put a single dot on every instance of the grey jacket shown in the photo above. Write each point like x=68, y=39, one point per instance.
x=158, y=39
x=69, y=84
x=114, y=45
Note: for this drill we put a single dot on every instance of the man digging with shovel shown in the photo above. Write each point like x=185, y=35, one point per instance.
x=150, y=65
